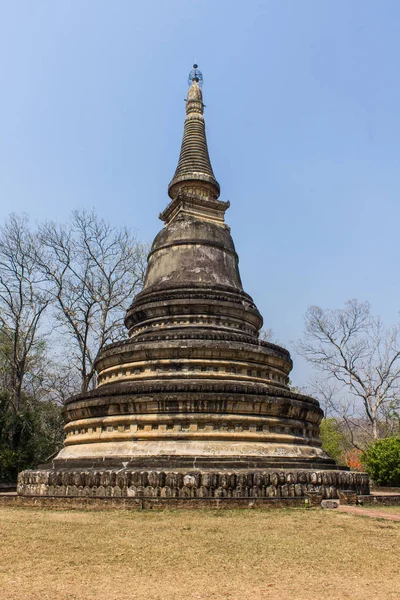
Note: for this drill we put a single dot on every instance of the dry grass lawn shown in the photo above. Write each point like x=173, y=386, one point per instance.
x=251, y=554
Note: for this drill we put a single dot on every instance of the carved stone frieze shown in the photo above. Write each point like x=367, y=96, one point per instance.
x=191, y=483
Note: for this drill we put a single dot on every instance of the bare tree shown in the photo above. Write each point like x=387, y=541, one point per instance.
x=344, y=407
x=24, y=298
x=266, y=335
x=325, y=390
x=352, y=348
x=94, y=270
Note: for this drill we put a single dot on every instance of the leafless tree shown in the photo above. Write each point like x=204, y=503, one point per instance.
x=325, y=390
x=24, y=298
x=353, y=349
x=266, y=335
x=344, y=407
x=94, y=270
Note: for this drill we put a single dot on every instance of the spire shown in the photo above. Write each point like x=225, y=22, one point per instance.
x=194, y=168
x=194, y=190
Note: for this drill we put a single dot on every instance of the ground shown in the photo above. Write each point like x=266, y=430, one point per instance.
x=294, y=554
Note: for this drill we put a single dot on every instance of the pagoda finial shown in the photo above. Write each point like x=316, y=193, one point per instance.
x=195, y=75
x=194, y=171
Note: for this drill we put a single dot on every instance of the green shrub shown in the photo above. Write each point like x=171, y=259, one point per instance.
x=382, y=461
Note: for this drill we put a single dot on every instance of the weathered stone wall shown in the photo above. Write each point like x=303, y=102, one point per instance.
x=190, y=484
x=125, y=503
x=379, y=500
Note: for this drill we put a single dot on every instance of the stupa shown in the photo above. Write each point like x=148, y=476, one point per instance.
x=192, y=403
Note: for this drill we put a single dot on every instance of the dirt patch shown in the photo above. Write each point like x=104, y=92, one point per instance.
x=283, y=554
x=395, y=510
x=366, y=512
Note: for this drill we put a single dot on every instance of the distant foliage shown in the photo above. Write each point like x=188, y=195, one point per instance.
x=333, y=440
x=28, y=437
x=382, y=461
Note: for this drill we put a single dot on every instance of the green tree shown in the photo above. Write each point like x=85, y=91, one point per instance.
x=333, y=440
x=27, y=437
x=382, y=461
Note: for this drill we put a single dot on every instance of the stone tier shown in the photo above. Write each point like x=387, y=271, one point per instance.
x=169, y=311
x=198, y=419
x=198, y=483
x=196, y=357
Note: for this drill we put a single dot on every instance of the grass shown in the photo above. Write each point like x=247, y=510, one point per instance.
x=237, y=555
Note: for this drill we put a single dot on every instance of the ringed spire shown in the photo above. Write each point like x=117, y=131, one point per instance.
x=194, y=172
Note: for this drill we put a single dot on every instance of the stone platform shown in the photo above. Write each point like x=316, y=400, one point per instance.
x=240, y=483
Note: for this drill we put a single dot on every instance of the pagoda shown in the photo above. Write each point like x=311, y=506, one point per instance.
x=193, y=403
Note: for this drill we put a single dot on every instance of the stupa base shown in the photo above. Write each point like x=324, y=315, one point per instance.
x=130, y=482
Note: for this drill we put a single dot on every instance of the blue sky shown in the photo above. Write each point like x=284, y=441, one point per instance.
x=302, y=120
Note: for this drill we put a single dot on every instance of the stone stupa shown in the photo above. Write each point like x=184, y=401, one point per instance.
x=192, y=403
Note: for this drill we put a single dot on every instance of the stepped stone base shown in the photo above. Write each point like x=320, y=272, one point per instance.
x=195, y=483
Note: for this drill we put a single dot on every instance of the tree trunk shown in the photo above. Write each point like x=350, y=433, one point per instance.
x=374, y=428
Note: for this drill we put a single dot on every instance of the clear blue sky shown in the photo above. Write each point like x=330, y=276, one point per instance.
x=303, y=105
